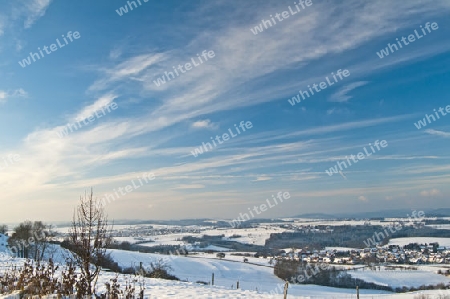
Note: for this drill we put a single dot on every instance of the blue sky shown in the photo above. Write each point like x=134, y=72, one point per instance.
x=154, y=129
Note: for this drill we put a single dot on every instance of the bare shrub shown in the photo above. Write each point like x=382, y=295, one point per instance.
x=89, y=238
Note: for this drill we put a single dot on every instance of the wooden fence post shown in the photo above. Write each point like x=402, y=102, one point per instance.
x=357, y=292
x=212, y=279
x=286, y=285
x=237, y=285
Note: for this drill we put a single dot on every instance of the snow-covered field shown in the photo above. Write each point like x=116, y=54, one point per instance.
x=439, y=226
x=164, y=289
x=193, y=269
x=227, y=273
x=420, y=240
x=255, y=281
x=398, y=279
x=341, y=249
x=256, y=277
x=256, y=236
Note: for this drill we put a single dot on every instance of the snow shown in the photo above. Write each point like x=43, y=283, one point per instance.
x=420, y=240
x=341, y=249
x=439, y=226
x=194, y=269
x=256, y=277
x=3, y=243
x=226, y=273
x=398, y=279
x=256, y=236
x=238, y=258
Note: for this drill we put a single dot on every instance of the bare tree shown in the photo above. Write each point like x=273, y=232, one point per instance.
x=31, y=240
x=42, y=235
x=19, y=241
x=89, y=237
x=3, y=229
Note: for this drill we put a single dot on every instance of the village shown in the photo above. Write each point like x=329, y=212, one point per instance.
x=413, y=254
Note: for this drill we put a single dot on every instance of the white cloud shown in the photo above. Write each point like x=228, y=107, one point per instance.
x=262, y=178
x=341, y=96
x=363, y=198
x=438, y=133
x=2, y=25
x=337, y=111
x=126, y=70
x=18, y=93
x=3, y=95
x=430, y=193
x=204, y=124
x=207, y=89
x=102, y=102
x=35, y=10
x=115, y=53
x=190, y=186
x=73, y=162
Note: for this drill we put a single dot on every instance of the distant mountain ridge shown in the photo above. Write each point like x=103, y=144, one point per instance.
x=399, y=213
x=444, y=212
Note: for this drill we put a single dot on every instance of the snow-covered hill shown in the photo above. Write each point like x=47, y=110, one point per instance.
x=226, y=274
x=165, y=289
x=3, y=242
x=399, y=279
x=4, y=252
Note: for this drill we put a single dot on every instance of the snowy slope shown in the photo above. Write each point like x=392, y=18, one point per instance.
x=251, y=277
x=164, y=289
x=194, y=269
x=420, y=240
x=4, y=252
x=3, y=243
x=409, y=278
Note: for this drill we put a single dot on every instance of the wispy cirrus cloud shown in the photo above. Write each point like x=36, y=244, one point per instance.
x=363, y=198
x=190, y=186
x=35, y=9
x=89, y=110
x=125, y=70
x=438, y=133
x=430, y=193
x=240, y=76
x=262, y=178
x=204, y=124
x=341, y=96
x=18, y=93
